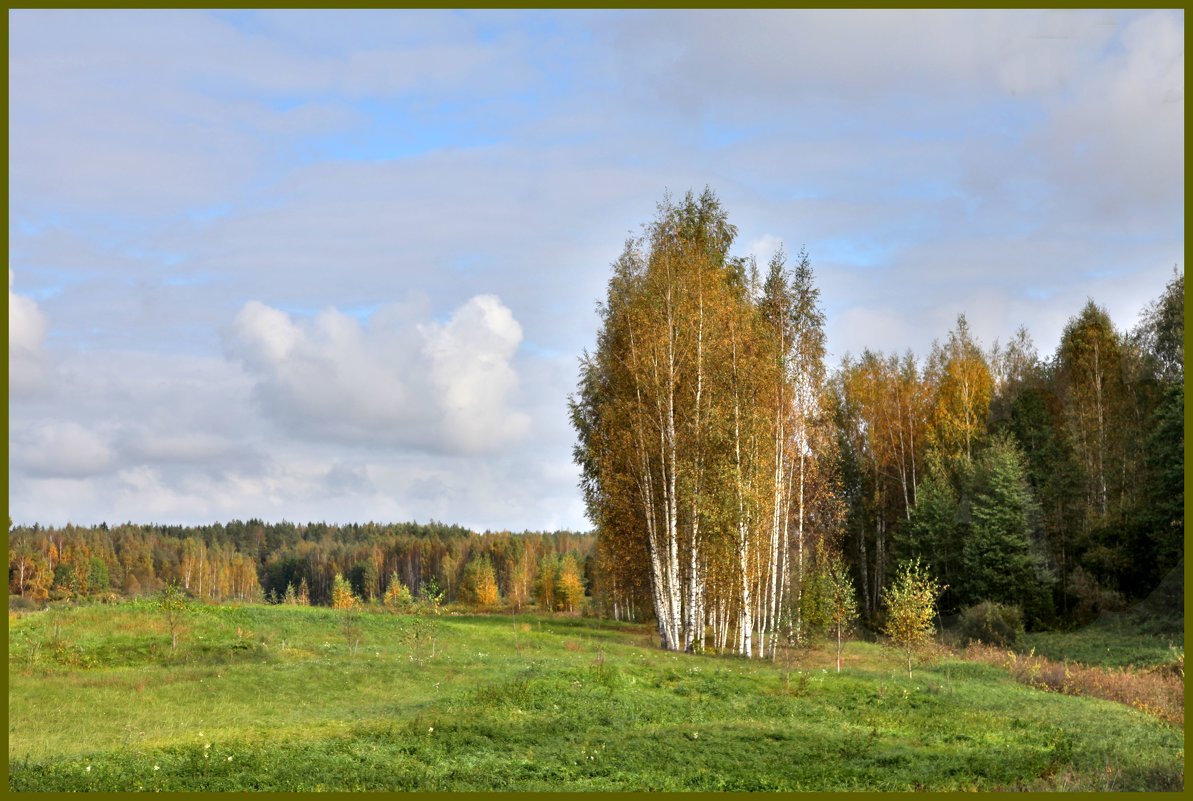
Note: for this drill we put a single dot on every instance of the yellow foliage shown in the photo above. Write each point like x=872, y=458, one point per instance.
x=341, y=594
x=911, y=605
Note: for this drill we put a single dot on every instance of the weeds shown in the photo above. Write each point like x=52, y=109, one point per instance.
x=1158, y=692
x=859, y=745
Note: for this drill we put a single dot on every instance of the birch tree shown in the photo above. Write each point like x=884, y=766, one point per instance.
x=963, y=387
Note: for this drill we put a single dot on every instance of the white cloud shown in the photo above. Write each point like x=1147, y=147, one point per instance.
x=26, y=333
x=344, y=479
x=171, y=446
x=400, y=380
x=763, y=248
x=471, y=371
x=61, y=450
x=1118, y=136
x=263, y=336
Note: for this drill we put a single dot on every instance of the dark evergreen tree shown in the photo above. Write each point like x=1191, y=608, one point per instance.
x=1001, y=557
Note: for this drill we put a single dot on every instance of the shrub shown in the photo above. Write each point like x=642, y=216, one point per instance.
x=992, y=623
x=17, y=603
x=1092, y=599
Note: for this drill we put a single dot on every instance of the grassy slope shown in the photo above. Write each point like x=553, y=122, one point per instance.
x=536, y=703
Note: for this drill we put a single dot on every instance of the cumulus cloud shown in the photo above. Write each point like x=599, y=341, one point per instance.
x=471, y=373
x=400, y=379
x=26, y=332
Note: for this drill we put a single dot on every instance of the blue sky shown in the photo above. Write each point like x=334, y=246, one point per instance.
x=340, y=265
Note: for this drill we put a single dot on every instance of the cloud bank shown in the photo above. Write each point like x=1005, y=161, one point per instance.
x=398, y=380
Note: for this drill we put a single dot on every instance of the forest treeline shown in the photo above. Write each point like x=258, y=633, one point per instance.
x=727, y=469
x=741, y=487
x=256, y=561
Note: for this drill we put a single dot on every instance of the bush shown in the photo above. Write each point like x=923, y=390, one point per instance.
x=992, y=623
x=1092, y=599
x=18, y=603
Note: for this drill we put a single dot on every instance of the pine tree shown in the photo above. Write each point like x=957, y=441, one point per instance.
x=935, y=532
x=999, y=561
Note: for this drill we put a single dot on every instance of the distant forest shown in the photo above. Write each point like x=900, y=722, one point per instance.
x=255, y=561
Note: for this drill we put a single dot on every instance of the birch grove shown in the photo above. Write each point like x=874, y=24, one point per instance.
x=695, y=417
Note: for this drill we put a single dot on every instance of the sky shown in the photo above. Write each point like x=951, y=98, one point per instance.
x=340, y=266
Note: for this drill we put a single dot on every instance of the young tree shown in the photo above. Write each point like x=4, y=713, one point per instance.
x=911, y=605
x=570, y=585
x=342, y=596
x=842, y=600
x=433, y=595
x=397, y=595
x=173, y=603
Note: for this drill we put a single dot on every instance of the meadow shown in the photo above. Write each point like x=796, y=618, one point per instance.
x=306, y=698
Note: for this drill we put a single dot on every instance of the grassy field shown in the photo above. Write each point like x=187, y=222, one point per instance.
x=275, y=698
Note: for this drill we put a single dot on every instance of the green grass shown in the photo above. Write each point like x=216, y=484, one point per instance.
x=1111, y=644
x=536, y=703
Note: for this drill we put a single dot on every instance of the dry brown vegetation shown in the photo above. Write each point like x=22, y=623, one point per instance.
x=1158, y=690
